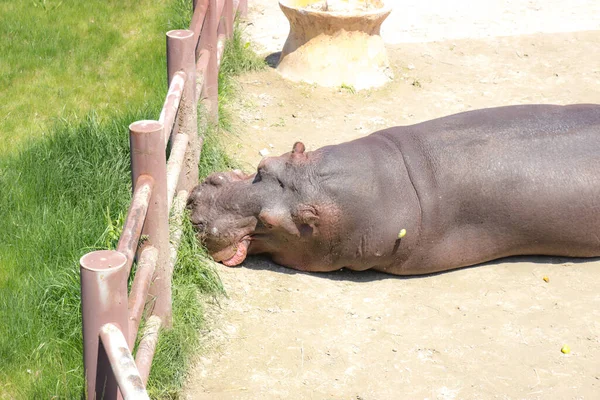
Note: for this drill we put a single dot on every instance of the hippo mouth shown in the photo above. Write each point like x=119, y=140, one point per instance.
x=241, y=251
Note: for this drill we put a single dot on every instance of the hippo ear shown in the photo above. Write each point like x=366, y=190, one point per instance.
x=298, y=152
x=298, y=148
x=278, y=218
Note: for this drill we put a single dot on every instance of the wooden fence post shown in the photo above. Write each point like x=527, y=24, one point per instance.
x=103, y=300
x=208, y=41
x=243, y=8
x=181, y=57
x=148, y=157
x=227, y=18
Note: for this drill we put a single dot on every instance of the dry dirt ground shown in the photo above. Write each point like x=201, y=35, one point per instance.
x=488, y=332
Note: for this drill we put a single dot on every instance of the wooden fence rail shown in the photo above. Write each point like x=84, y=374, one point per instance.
x=111, y=316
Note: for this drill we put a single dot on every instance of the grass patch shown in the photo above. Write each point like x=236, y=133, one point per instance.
x=238, y=58
x=57, y=194
x=64, y=179
x=65, y=191
x=62, y=58
x=348, y=88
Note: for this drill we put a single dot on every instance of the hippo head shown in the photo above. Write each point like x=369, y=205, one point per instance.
x=235, y=214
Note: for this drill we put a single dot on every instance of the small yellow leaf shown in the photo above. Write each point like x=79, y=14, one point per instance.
x=402, y=233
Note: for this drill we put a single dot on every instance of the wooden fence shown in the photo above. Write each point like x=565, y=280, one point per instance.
x=111, y=316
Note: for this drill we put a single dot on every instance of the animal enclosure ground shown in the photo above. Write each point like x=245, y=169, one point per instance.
x=488, y=332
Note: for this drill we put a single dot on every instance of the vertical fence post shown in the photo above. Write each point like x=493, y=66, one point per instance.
x=227, y=17
x=103, y=300
x=243, y=8
x=208, y=41
x=195, y=6
x=181, y=57
x=148, y=157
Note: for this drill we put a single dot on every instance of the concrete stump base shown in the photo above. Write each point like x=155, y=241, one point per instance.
x=340, y=46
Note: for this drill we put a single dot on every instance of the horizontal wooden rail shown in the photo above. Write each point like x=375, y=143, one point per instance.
x=147, y=346
x=139, y=290
x=201, y=68
x=220, y=48
x=171, y=106
x=136, y=215
x=122, y=363
x=177, y=224
x=175, y=164
x=220, y=7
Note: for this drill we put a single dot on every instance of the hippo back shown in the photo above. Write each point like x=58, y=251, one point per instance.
x=504, y=181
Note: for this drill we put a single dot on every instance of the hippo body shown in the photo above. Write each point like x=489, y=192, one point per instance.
x=443, y=194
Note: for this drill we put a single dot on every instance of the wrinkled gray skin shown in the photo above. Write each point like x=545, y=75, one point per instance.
x=467, y=188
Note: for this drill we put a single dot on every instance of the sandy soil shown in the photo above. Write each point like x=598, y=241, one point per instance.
x=487, y=332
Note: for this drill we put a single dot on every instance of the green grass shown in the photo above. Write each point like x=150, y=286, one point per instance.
x=238, y=58
x=56, y=194
x=62, y=58
x=64, y=184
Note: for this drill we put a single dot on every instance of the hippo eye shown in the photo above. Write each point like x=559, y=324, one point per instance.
x=199, y=226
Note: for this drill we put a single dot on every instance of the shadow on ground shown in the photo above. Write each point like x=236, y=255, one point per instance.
x=264, y=263
x=273, y=59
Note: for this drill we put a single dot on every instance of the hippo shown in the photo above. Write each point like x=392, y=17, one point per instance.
x=438, y=195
